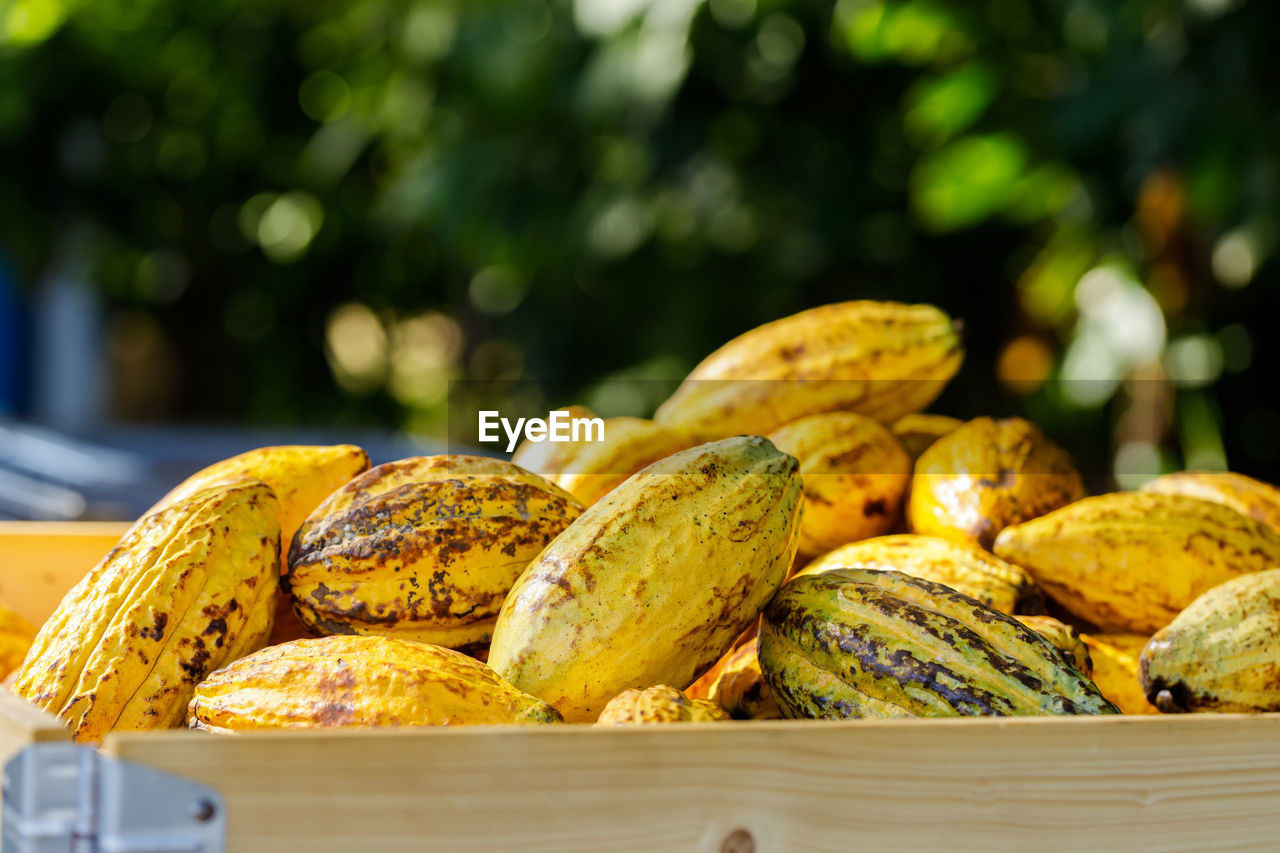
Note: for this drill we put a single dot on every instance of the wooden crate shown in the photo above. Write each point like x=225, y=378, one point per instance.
x=1207, y=782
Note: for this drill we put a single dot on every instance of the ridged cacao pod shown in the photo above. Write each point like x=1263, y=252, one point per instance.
x=881, y=359
x=658, y=704
x=965, y=568
x=1066, y=639
x=855, y=477
x=1222, y=653
x=301, y=476
x=342, y=681
x=1131, y=561
x=865, y=643
x=917, y=432
x=986, y=475
x=1115, y=670
x=548, y=458
x=594, y=468
x=741, y=689
x=423, y=549
x=653, y=583
x=187, y=589
x=1245, y=495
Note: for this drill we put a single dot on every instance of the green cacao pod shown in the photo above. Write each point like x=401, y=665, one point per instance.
x=865, y=643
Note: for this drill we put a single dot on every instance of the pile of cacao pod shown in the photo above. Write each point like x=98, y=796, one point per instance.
x=789, y=537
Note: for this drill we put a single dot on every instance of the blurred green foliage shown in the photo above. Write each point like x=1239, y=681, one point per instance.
x=323, y=211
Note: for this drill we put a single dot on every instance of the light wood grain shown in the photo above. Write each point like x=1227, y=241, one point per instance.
x=1206, y=783
x=40, y=560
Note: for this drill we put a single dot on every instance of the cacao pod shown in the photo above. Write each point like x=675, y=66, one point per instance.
x=741, y=689
x=1222, y=653
x=658, y=704
x=186, y=590
x=595, y=468
x=855, y=476
x=1131, y=561
x=1115, y=670
x=423, y=549
x=548, y=459
x=342, y=681
x=986, y=475
x=1066, y=639
x=1246, y=495
x=965, y=568
x=866, y=643
x=652, y=584
x=881, y=359
x=301, y=476
x=917, y=432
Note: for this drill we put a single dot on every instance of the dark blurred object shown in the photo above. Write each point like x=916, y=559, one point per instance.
x=48, y=475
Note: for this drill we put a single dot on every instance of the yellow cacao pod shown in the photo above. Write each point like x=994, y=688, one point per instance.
x=1066, y=639
x=917, y=432
x=965, y=568
x=653, y=583
x=187, y=589
x=1245, y=495
x=986, y=475
x=658, y=704
x=855, y=476
x=548, y=459
x=881, y=359
x=866, y=643
x=16, y=635
x=301, y=476
x=1222, y=653
x=598, y=467
x=1131, y=561
x=1115, y=670
x=741, y=689
x=423, y=549
x=342, y=681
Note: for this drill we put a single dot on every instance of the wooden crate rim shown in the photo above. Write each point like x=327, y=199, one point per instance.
x=712, y=730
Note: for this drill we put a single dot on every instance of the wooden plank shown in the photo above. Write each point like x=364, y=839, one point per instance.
x=1171, y=783
x=22, y=724
x=40, y=561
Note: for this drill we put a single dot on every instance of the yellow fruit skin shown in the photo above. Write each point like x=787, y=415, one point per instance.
x=881, y=359
x=1065, y=639
x=855, y=477
x=595, y=468
x=301, y=476
x=1131, y=561
x=1222, y=653
x=867, y=643
x=16, y=635
x=658, y=704
x=986, y=475
x=423, y=549
x=741, y=689
x=917, y=432
x=1115, y=670
x=1246, y=495
x=342, y=681
x=548, y=458
x=965, y=568
x=653, y=583
x=187, y=589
